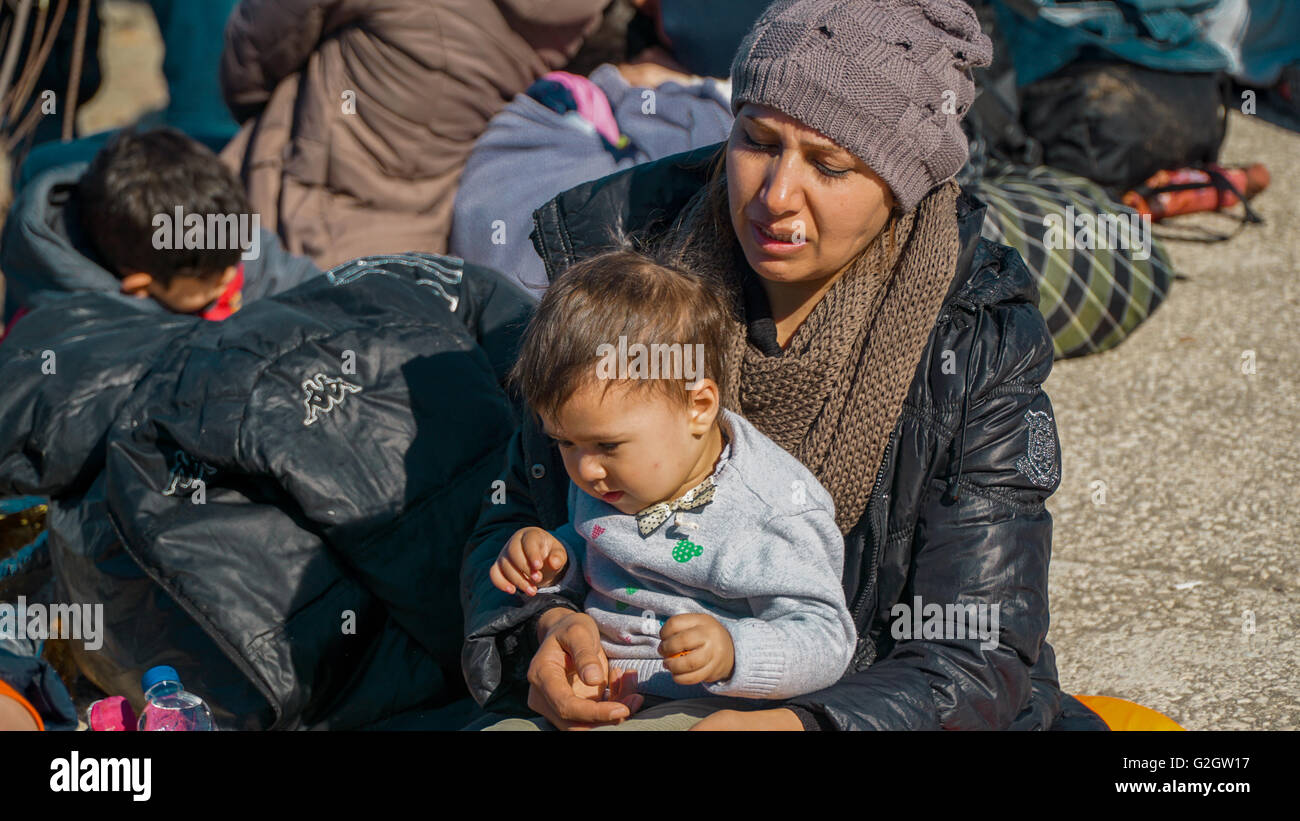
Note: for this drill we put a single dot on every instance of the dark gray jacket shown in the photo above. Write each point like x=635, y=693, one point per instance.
x=980, y=427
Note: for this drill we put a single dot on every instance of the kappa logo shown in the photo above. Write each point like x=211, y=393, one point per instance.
x=431, y=270
x=186, y=473
x=323, y=394
x=1040, y=462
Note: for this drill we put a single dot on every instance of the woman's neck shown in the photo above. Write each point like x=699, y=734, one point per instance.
x=791, y=302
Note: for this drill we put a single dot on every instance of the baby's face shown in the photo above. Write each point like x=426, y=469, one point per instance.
x=632, y=448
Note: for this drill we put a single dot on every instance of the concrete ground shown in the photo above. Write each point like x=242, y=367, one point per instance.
x=1174, y=580
x=1178, y=516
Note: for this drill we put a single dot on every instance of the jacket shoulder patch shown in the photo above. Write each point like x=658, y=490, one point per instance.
x=1039, y=463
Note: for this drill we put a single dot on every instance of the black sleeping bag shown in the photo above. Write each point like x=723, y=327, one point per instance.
x=276, y=504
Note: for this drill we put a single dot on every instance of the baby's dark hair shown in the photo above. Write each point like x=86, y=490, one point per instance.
x=138, y=175
x=625, y=294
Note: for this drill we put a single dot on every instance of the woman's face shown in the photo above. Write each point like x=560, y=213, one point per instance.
x=801, y=206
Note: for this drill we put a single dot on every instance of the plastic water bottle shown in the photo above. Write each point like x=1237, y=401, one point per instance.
x=168, y=706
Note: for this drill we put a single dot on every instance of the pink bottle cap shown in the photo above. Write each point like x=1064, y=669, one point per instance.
x=112, y=713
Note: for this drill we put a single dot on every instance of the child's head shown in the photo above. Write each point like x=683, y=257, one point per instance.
x=134, y=185
x=624, y=363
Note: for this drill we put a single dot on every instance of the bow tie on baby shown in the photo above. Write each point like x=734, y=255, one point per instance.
x=648, y=520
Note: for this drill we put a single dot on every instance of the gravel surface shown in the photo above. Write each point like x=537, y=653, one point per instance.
x=1176, y=519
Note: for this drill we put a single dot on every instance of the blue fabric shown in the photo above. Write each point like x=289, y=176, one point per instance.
x=705, y=34
x=193, y=42
x=17, y=504
x=54, y=154
x=1158, y=34
x=22, y=669
x=1260, y=37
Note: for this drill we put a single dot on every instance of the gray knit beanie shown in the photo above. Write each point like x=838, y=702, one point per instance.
x=888, y=80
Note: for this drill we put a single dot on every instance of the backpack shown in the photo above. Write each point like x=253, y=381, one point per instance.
x=1118, y=123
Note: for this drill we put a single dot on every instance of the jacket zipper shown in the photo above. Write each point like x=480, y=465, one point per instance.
x=877, y=540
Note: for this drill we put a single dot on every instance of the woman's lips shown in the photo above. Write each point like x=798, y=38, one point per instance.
x=770, y=244
x=612, y=497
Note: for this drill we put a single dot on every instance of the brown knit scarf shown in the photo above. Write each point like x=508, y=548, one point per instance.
x=835, y=394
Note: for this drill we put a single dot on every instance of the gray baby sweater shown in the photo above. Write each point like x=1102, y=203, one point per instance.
x=764, y=557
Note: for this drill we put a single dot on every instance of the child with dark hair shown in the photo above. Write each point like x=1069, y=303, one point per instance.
x=156, y=215
x=707, y=555
x=129, y=196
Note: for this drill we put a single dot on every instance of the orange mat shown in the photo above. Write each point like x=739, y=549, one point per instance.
x=1125, y=715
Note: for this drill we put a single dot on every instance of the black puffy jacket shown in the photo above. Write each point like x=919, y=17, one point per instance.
x=274, y=504
x=975, y=421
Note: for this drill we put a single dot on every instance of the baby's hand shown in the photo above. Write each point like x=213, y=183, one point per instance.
x=532, y=556
x=696, y=648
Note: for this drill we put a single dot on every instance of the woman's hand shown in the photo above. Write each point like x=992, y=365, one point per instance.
x=569, y=673
x=777, y=719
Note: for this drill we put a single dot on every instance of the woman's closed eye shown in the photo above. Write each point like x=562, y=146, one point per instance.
x=755, y=144
x=827, y=171
x=608, y=447
x=833, y=173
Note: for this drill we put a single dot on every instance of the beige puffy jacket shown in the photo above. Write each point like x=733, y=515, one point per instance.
x=358, y=115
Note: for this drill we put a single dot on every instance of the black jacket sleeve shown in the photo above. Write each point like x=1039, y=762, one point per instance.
x=992, y=546
x=500, y=628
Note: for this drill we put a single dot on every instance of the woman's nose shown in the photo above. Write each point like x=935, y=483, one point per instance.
x=782, y=192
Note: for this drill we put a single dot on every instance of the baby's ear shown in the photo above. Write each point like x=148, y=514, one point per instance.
x=136, y=284
x=704, y=401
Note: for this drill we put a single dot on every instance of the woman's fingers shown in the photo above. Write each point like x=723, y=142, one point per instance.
x=553, y=697
x=582, y=642
x=624, y=689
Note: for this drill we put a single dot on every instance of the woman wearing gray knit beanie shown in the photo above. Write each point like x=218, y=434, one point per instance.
x=878, y=339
